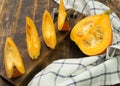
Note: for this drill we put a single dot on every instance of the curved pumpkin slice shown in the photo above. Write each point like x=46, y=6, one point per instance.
x=48, y=30
x=32, y=39
x=63, y=24
x=13, y=61
x=93, y=34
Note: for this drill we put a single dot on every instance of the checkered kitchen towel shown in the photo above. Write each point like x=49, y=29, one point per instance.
x=90, y=71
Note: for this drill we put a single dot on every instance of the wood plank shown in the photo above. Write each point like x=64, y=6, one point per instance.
x=7, y=21
x=5, y=82
x=33, y=9
x=2, y=83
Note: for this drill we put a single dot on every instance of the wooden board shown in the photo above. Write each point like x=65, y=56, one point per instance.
x=12, y=23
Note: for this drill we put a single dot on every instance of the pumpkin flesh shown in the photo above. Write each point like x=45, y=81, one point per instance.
x=32, y=39
x=48, y=30
x=13, y=61
x=63, y=24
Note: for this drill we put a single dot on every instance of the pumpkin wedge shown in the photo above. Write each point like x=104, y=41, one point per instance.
x=32, y=39
x=93, y=34
x=63, y=24
x=12, y=59
x=48, y=30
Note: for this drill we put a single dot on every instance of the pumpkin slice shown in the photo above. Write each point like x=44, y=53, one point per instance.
x=63, y=24
x=93, y=34
x=48, y=30
x=32, y=39
x=13, y=61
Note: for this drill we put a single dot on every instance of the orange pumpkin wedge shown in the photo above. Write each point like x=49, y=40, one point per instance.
x=63, y=24
x=93, y=34
x=12, y=59
x=32, y=39
x=48, y=30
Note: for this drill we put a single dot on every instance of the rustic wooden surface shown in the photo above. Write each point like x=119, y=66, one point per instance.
x=12, y=23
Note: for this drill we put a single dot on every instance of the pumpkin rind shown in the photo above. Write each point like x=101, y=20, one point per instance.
x=32, y=39
x=93, y=34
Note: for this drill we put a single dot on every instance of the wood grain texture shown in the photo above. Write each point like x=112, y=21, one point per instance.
x=12, y=23
x=7, y=21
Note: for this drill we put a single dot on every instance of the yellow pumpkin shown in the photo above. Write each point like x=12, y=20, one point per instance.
x=48, y=30
x=63, y=24
x=32, y=39
x=12, y=59
x=93, y=34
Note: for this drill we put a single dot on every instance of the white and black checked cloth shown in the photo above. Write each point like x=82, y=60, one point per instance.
x=89, y=71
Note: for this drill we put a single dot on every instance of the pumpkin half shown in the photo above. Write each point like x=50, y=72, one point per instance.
x=12, y=59
x=48, y=30
x=32, y=39
x=63, y=24
x=93, y=34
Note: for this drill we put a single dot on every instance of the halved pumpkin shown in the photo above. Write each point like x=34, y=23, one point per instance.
x=48, y=30
x=93, y=34
x=12, y=59
x=32, y=39
x=63, y=24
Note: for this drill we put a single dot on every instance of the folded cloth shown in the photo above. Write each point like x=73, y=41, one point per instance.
x=93, y=71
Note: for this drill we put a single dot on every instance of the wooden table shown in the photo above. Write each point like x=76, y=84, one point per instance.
x=12, y=23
